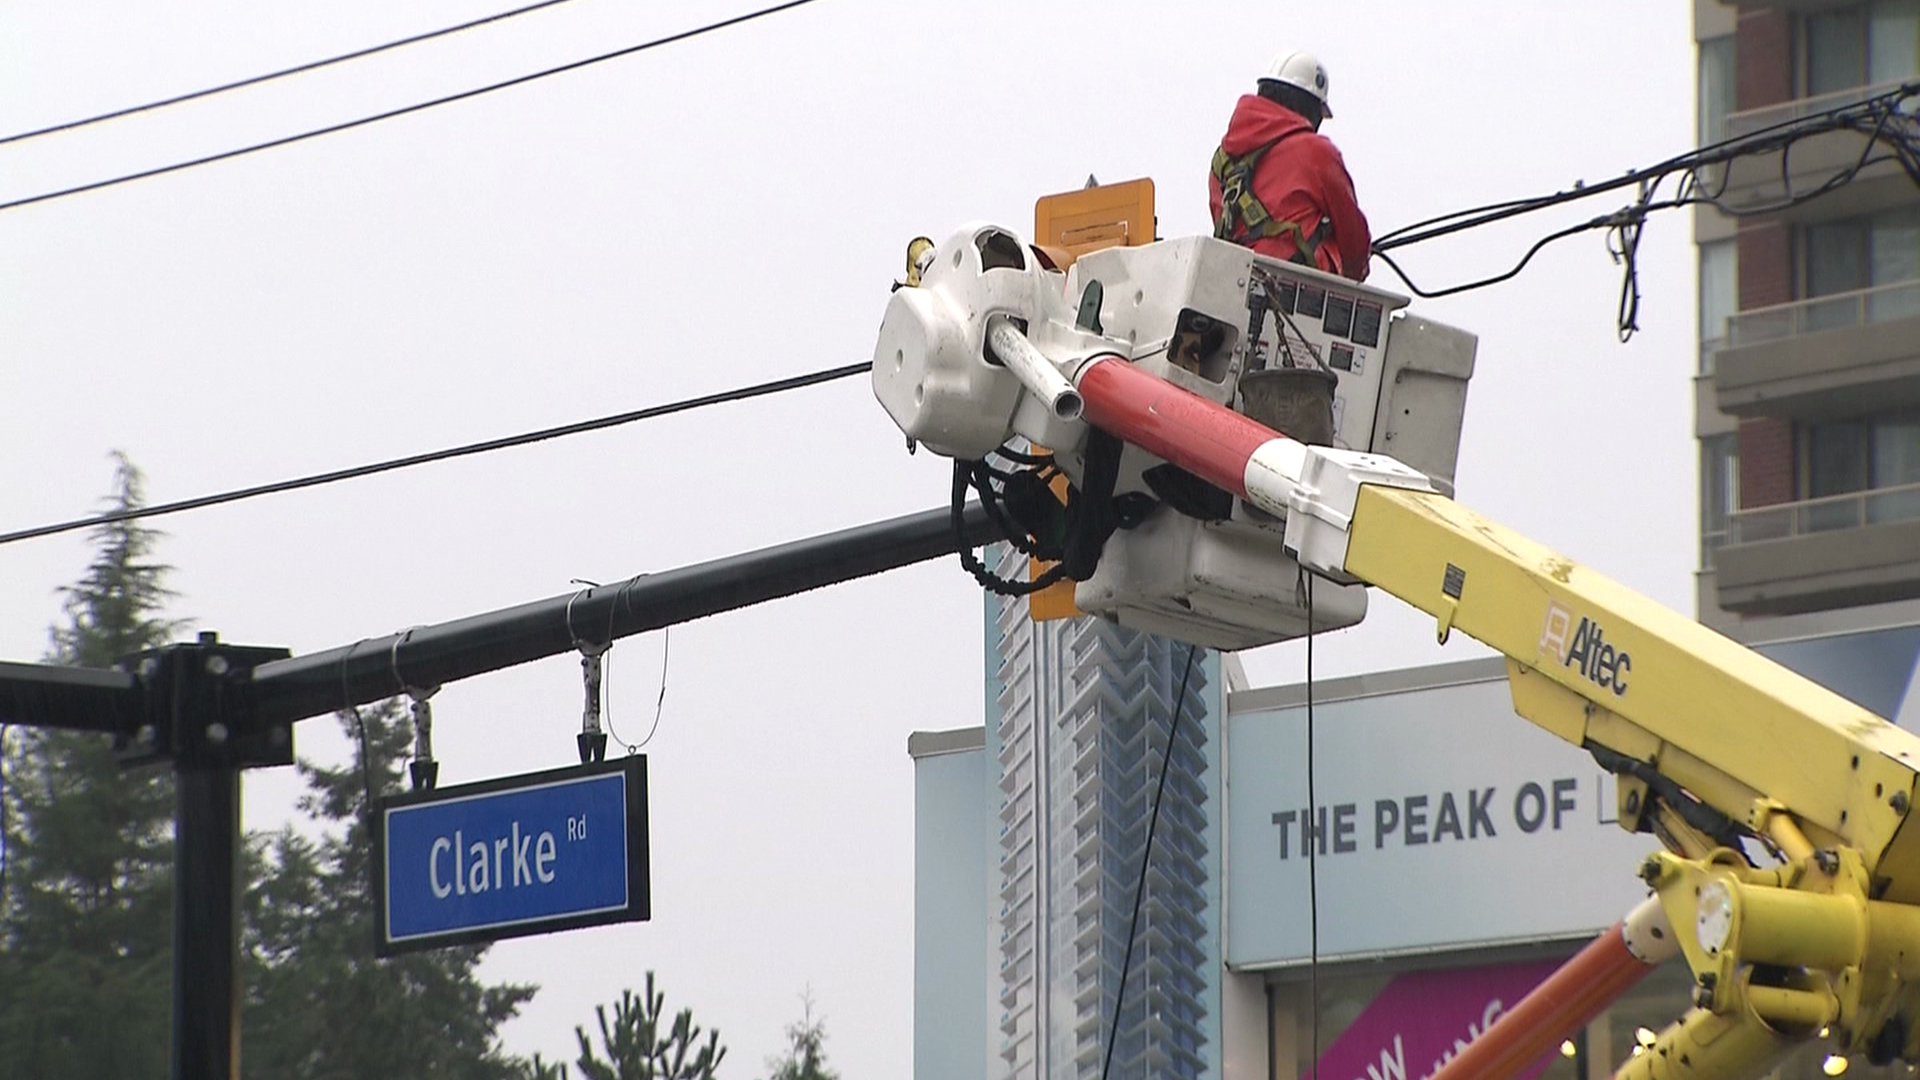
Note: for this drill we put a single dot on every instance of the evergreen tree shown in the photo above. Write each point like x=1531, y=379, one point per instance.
x=641, y=1045
x=319, y=1004
x=87, y=934
x=806, y=1055
x=86, y=904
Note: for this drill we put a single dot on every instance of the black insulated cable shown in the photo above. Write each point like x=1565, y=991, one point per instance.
x=507, y=442
x=256, y=80
x=287, y=140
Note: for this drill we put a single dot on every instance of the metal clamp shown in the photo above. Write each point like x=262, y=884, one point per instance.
x=592, y=740
x=423, y=770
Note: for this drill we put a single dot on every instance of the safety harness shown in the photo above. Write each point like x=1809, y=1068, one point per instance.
x=1245, y=219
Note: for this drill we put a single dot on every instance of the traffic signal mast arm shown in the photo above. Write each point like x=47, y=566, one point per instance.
x=1721, y=753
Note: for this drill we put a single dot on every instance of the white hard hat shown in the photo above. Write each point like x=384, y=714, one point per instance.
x=1304, y=70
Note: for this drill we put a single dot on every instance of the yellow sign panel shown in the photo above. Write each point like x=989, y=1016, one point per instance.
x=1077, y=222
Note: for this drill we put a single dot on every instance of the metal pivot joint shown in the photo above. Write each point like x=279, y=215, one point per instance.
x=197, y=708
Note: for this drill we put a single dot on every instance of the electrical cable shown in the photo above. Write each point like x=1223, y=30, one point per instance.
x=1772, y=137
x=1875, y=117
x=6, y=834
x=1313, y=848
x=448, y=99
x=659, y=703
x=723, y=397
x=366, y=768
x=256, y=80
x=1146, y=857
x=360, y=727
x=977, y=475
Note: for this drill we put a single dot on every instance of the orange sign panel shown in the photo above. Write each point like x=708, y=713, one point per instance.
x=1111, y=215
x=1077, y=222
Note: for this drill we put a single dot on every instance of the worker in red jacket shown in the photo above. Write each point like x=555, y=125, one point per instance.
x=1279, y=186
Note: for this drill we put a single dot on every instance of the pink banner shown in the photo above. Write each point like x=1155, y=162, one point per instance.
x=1422, y=1019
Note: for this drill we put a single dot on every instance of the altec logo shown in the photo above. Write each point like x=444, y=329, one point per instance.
x=1586, y=648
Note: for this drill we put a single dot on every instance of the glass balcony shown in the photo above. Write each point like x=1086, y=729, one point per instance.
x=1882, y=303
x=1855, y=510
x=1710, y=543
x=1751, y=120
x=1708, y=347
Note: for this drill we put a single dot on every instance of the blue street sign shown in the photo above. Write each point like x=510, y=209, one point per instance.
x=518, y=855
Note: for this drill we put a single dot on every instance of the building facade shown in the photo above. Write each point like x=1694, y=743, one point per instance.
x=1808, y=393
x=1446, y=881
x=1080, y=714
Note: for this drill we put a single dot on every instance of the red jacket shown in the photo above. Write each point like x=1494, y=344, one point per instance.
x=1301, y=180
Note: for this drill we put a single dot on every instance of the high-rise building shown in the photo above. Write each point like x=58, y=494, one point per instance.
x=1808, y=395
x=1085, y=709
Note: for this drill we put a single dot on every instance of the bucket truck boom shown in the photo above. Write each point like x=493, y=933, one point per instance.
x=1790, y=876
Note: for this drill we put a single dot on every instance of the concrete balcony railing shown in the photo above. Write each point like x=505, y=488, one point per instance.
x=1708, y=348
x=1845, y=354
x=1854, y=510
x=1882, y=303
x=1843, y=550
x=1748, y=121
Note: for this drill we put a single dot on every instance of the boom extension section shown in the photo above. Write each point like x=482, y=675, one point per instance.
x=1790, y=877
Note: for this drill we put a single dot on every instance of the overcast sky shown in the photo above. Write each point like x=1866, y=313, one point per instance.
x=719, y=212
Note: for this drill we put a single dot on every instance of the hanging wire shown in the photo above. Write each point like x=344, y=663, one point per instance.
x=360, y=728
x=1146, y=857
x=606, y=706
x=660, y=702
x=606, y=671
x=6, y=828
x=979, y=476
x=1887, y=121
x=666, y=640
x=1313, y=848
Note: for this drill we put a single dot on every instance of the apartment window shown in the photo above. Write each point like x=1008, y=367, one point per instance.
x=1719, y=296
x=1719, y=491
x=1877, y=455
x=1862, y=253
x=1715, y=92
x=1896, y=452
x=1861, y=45
x=1837, y=457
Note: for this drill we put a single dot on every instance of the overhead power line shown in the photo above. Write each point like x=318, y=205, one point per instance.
x=287, y=140
x=764, y=389
x=1887, y=120
x=281, y=74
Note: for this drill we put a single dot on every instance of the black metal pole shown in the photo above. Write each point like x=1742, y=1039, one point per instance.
x=77, y=699
x=206, y=924
x=320, y=683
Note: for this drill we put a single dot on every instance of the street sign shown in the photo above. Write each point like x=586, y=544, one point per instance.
x=518, y=855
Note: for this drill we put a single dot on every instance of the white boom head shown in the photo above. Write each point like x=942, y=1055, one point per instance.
x=988, y=348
